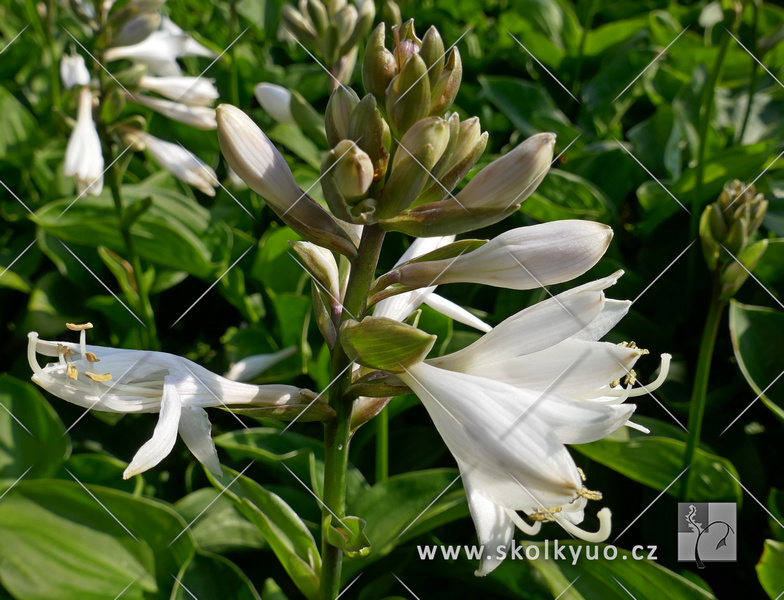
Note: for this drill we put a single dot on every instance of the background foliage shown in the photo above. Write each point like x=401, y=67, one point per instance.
x=701, y=115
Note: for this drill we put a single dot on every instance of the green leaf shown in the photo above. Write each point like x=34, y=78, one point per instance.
x=642, y=579
x=756, y=331
x=208, y=576
x=18, y=128
x=657, y=461
x=100, y=469
x=272, y=591
x=273, y=265
x=37, y=441
x=283, y=530
x=528, y=106
x=348, y=534
x=394, y=508
x=770, y=569
x=611, y=34
x=218, y=526
x=770, y=268
x=292, y=137
x=563, y=195
x=56, y=527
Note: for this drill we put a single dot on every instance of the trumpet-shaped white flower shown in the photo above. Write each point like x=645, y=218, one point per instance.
x=507, y=404
x=276, y=100
x=196, y=91
x=401, y=306
x=509, y=446
x=181, y=163
x=83, y=154
x=519, y=259
x=201, y=117
x=73, y=71
x=136, y=381
x=247, y=368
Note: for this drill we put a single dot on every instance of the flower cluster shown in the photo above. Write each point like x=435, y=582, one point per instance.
x=152, y=43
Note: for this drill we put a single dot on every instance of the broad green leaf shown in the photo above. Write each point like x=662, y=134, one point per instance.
x=272, y=591
x=293, y=316
x=273, y=265
x=31, y=434
x=57, y=528
x=302, y=454
x=657, y=461
x=18, y=128
x=642, y=579
x=528, y=106
x=217, y=524
x=209, y=576
x=394, y=508
x=100, y=469
x=770, y=268
x=563, y=195
x=770, y=568
x=284, y=531
x=776, y=517
x=756, y=332
x=294, y=139
x=610, y=34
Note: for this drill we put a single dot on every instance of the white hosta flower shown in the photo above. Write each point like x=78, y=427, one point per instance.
x=73, y=71
x=83, y=154
x=201, y=117
x=136, y=381
x=196, y=91
x=401, y=306
x=247, y=368
x=181, y=163
x=276, y=100
x=520, y=259
x=509, y=445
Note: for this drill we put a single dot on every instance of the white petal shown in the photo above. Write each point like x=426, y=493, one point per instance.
x=165, y=434
x=181, y=163
x=276, y=100
x=421, y=246
x=249, y=367
x=191, y=90
x=196, y=431
x=73, y=71
x=612, y=312
x=455, y=311
x=201, y=117
x=494, y=528
x=401, y=306
x=83, y=154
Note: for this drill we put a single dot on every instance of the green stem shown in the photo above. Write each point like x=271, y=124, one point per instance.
x=754, y=75
x=337, y=432
x=700, y=390
x=54, y=70
x=235, y=76
x=382, y=445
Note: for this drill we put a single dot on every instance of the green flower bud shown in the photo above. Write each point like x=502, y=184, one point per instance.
x=309, y=120
x=445, y=91
x=381, y=343
x=408, y=96
x=432, y=52
x=419, y=150
x=371, y=133
x=318, y=15
x=300, y=27
x=734, y=275
x=321, y=265
x=341, y=103
x=365, y=16
x=406, y=42
x=338, y=32
x=710, y=245
x=378, y=67
x=352, y=171
x=132, y=76
x=391, y=12
x=136, y=30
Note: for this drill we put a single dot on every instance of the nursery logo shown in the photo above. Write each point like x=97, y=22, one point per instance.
x=707, y=532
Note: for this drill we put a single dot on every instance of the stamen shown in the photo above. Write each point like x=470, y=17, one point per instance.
x=605, y=527
x=71, y=372
x=98, y=376
x=545, y=514
x=527, y=528
x=91, y=357
x=587, y=494
x=79, y=327
x=664, y=369
x=582, y=473
x=637, y=426
x=64, y=350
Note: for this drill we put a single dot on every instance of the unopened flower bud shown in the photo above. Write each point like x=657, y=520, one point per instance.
x=419, y=150
x=339, y=31
x=444, y=92
x=408, y=97
x=341, y=104
x=321, y=265
x=353, y=170
x=256, y=160
x=379, y=67
x=366, y=12
x=494, y=193
x=381, y=343
x=296, y=24
x=371, y=132
x=137, y=29
x=406, y=42
x=73, y=71
x=318, y=15
x=432, y=52
x=276, y=100
x=735, y=273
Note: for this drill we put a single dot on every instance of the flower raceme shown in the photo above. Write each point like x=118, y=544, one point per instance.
x=83, y=154
x=135, y=381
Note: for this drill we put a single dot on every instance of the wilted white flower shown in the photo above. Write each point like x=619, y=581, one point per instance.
x=181, y=163
x=83, y=154
x=201, y=117
x=197, y=91
x=401, y=306
x=276, y=100
x=73, y=71
x=136, y=381
x=520, y=259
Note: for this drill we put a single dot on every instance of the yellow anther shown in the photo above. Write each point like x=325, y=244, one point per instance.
x=633, y=346
x=98, y=376
x=79, y=327
x=587, y=494
x=71, y=371
x=64, y=350
x=92, y=358
x=545, y=514
x=631, y=378
x=582, y=473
